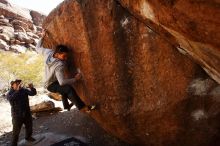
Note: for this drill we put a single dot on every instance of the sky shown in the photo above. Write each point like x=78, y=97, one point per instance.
x=44, y=6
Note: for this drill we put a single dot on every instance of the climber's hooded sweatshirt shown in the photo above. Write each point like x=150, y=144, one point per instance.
x=54, y=68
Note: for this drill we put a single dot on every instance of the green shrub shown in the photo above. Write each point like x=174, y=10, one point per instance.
x=27, y=67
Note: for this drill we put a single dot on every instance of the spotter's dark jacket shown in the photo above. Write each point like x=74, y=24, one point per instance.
x=19, y=101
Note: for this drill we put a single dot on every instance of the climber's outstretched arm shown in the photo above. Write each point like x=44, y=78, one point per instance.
x=39, y=48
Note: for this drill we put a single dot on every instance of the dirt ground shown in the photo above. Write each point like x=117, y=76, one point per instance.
x=69, y=123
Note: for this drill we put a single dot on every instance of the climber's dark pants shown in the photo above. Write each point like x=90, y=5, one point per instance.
x=17, y=124
x=67, y=92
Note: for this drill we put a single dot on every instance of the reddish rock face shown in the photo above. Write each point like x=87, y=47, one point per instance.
x=37, y=17
x=147, y=92
x=193, y=23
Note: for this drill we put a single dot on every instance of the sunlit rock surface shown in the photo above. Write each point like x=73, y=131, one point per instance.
x=144, y=71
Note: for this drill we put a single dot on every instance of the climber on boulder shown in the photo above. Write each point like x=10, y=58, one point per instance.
x=55, y=80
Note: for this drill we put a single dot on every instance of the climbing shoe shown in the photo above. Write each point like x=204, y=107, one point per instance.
x=90, y=108
x=71, y=104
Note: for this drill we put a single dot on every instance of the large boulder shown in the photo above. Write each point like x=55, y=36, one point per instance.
x=32, y=35
x=147, y=92
x=4, y=37
x=55, y=96
x=43, y=106
x=19, y=28
x=23, y=37
x=31, y=47
x=18, y=24
x=29, y=40
x=37, y=17
x=5, y=22
x=8, y=30
x=18, y=48
x=3, y=45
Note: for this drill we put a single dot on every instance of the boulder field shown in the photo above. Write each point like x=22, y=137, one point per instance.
x=20, y=28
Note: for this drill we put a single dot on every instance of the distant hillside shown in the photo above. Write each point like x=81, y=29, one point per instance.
x=20, y=28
